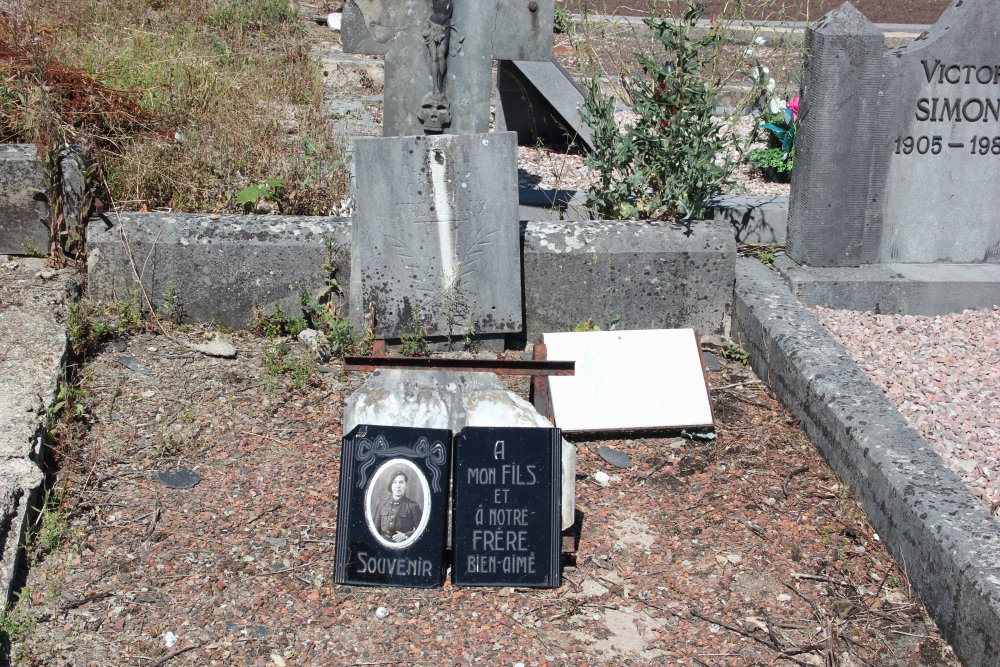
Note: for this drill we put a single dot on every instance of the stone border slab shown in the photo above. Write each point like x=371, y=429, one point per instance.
x=219, y=266
x=23, y=207
x=943, y=538
x=755, y=219
x=909, y=289
x=33, y=307
x=632, y=274
x=628, y=275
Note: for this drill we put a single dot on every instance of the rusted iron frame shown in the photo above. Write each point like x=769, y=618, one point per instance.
x=499, y=366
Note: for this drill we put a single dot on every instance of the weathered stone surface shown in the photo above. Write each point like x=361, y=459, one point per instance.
x=838, y=129
x=898, y=153
x=218, y=265
x=628, y=275
x=33, y=340
x=434, y=237
x=941, y=202
x=23, y=209
x=480, y=32
x=32, y=357
x=451, y=400
x=754, y=219
x=921, y=510
x=540, y=101
x=911, y=289
x=20, y=483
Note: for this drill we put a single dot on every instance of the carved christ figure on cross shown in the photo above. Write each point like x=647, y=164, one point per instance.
x=435, y=109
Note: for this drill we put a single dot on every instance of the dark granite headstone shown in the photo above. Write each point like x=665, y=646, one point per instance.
x=506, y=516
x=393, y=506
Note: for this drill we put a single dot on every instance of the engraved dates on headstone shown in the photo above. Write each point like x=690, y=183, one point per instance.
x=393, y=502
x=506, y=518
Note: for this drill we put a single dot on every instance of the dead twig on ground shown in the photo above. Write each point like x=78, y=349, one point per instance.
x=173, y=654
x=788, y=478
x=782, y=652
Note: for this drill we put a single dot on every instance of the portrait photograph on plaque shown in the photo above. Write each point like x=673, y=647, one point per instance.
x=393, y=506
x=506, y=519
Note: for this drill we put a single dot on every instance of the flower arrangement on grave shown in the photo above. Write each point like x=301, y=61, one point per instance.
x=778, y=120
x=674, y=156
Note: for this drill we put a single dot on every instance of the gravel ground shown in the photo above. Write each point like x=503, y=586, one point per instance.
x=745, y=550
x=943, y=374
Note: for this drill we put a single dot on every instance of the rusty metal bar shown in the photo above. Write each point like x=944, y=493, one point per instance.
x=498, y=366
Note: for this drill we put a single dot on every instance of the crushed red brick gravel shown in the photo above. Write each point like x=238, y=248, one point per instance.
x=742, y=550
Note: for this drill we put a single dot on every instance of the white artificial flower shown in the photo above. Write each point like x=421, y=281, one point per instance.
x=773, y=105
x=764, y=71
x=760, y=41
x=755, y=73
x=748, y=53
x=770, y=85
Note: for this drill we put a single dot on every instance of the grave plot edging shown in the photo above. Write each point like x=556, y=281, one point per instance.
x=939, y=534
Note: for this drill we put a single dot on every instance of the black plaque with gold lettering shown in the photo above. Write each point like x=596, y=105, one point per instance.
x=393, y=506
x=507, y=507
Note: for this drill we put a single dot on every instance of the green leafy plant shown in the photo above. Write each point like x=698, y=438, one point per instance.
x=277, y=323
x=17, y=621
x=31, y=250
x=734, y=352
x=171, y=309
x=70, y=400
x=413, y=344
x=766, y=254
x=91, y=323
x=673, y=158
x=337, y=330
x=562, y=22
x=269, y=190
x=586, y=325
x=51, y=526
x=279, y=360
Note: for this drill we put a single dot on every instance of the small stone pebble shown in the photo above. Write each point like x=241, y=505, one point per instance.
x=381, y=613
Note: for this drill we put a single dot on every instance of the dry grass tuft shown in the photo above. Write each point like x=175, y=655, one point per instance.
x=182, y=103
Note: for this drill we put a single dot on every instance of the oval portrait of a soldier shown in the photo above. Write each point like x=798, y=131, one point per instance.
x=397, y=503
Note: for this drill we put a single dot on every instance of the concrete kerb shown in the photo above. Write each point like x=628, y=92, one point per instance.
x=941, y=536
x=32, y=334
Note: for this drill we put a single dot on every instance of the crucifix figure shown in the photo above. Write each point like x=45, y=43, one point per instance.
x=439, y=53
x=435, y=110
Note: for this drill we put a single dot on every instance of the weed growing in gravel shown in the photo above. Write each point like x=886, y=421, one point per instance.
x=276, y=324
x=17, y=621
x=280, y=360
x=734, y=352
x=171, y=309
x=89, y=324
x=51, y=526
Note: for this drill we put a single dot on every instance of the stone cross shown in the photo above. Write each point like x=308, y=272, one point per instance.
x=439, y=53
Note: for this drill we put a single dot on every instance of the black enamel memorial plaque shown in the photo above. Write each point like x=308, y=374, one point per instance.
x=507, y=507
x=393, y=506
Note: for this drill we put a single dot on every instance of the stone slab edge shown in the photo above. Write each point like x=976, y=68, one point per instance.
x=907, y=289
x=32, y=334
x=944, y=540
x=219, y=264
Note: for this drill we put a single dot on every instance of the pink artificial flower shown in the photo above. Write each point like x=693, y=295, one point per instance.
x=793, y=104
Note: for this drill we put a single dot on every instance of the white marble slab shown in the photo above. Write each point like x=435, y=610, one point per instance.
x=626, y=380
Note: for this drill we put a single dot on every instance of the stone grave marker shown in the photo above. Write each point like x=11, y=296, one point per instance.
x=434, y=241
x=435, y=245
x=439, y=55
x=392, y=508
x=506, y=515
x=898, y=154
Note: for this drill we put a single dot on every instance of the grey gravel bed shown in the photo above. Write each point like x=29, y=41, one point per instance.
x=943, y=375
